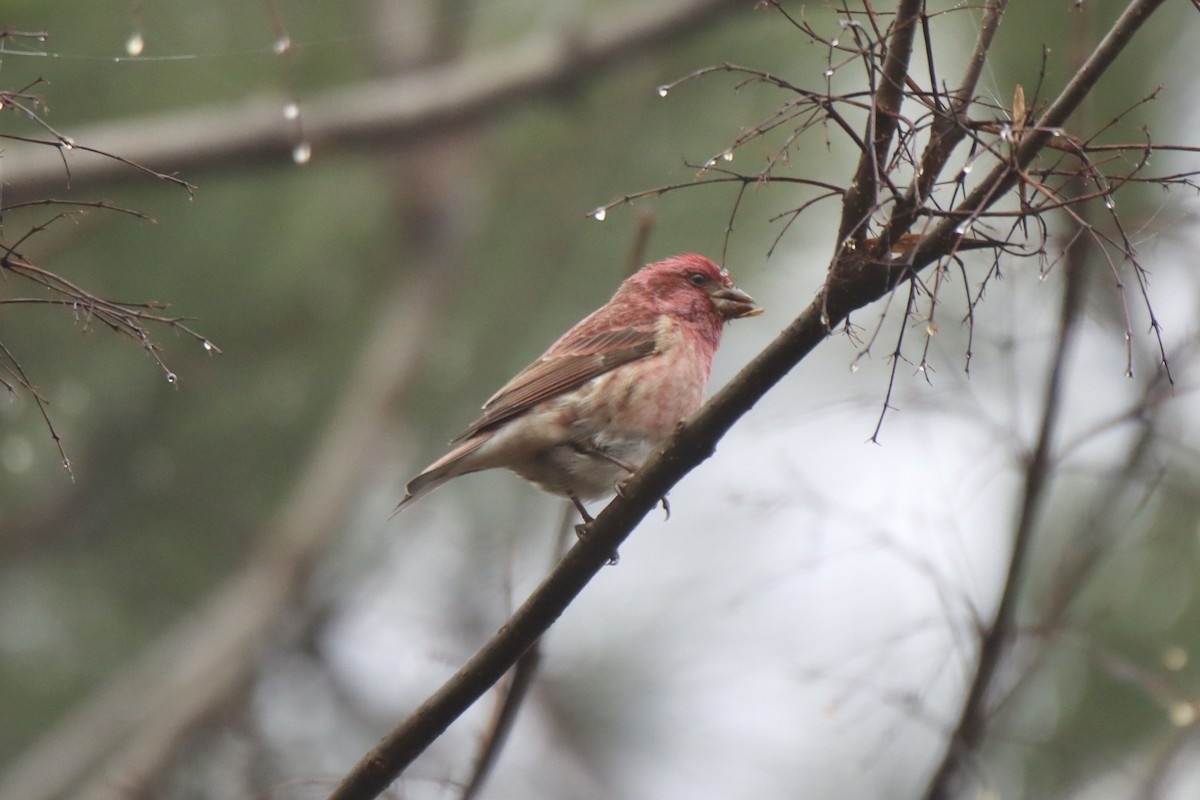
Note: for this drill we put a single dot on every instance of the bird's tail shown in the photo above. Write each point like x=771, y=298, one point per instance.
x=449, y=466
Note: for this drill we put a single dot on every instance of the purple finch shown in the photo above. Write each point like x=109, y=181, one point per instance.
x=591, y=409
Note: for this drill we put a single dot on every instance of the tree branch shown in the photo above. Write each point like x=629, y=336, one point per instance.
x=381, y=113
x=968, y=734
x=862, y=196
x=856, y=279
x=142, y=711
x=1005, y=176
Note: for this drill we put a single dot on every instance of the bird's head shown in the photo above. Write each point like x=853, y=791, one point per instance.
x=687, y=280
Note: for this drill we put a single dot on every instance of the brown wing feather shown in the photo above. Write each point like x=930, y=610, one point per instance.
x=567, y=368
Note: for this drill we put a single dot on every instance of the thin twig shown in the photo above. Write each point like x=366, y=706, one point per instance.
x=965, y=739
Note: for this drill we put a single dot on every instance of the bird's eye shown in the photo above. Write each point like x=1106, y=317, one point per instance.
x=698, y=278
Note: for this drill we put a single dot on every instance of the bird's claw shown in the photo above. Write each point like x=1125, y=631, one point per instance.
x=583, y=529
x=620, y=486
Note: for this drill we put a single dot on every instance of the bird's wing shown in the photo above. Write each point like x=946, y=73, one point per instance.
x=570, y=363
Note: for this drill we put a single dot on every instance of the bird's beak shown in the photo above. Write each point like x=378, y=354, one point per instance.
x=733, y=303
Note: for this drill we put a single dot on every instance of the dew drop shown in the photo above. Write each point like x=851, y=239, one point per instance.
x=1108, y=203
x=135, y=44
x=828, y=73
x=1128, y=373
x=66, y=464
x=824, y=320
x=302, y=153
x=854, y=367
x=291, y=111
x=727, y=155
x=663, y=90
x=712, y=162
x=172, y=377
x=966, y=170
x=963, y=227
x=207, y=345
x=282, y=45
x=1006, y=133
x=835, y=42
x=599, y=214
x=66, y=143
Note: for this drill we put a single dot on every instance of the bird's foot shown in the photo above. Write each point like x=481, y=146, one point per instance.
x=583, y=529
x=620, y=486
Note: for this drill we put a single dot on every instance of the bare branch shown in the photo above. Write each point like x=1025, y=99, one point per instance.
x=965, y=738
x=862, y=196
x=383, y=113
x=858, y=275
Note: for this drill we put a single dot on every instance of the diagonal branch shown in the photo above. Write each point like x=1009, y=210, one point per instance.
x=1006, y=175
x=855, y=280
x=381, y=113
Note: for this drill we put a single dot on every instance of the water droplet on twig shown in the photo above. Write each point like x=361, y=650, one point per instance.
x=291, y=110
x=599, y=214
x=663, y=91
x=282, y=45
x=302, y=153
x=828, y=72
x=172, y=377
x=135, y=44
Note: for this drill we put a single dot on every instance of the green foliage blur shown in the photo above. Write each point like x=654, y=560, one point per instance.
x=281, y=266
x=285, y=268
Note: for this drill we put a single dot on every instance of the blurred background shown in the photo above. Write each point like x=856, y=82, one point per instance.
x=217, y=605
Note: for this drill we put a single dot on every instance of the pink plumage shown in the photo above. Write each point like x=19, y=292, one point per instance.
x=590, y=410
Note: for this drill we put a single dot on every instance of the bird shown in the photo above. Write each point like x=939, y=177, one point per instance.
x=586, y=414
